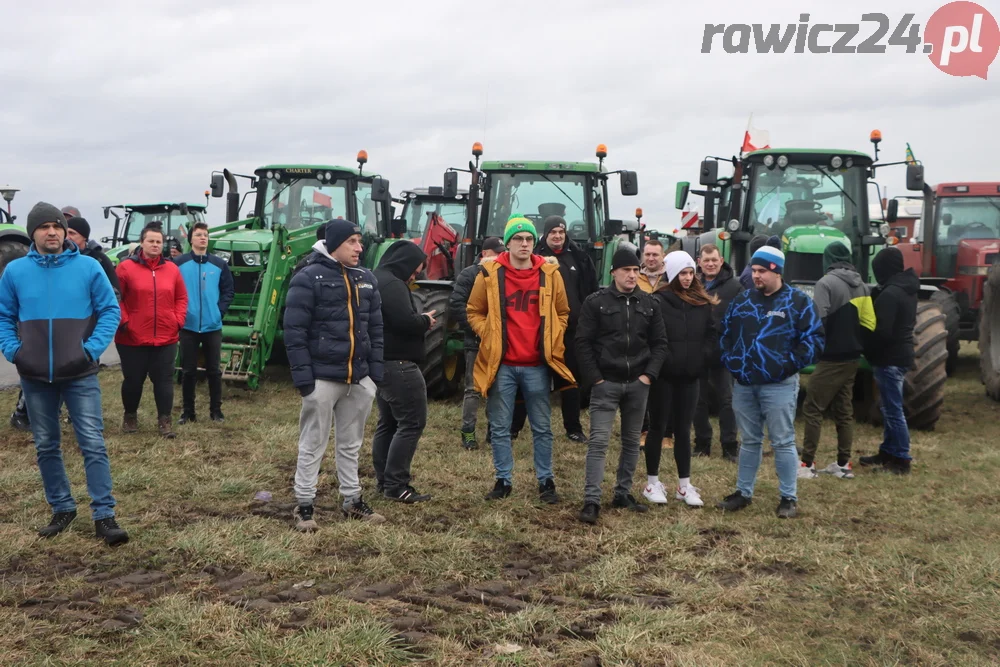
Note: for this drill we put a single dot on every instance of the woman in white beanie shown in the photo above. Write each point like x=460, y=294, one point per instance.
x=691, y=336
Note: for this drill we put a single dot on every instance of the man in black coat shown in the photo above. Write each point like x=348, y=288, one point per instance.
x=402, y=394
x=457, y=302
x=580, y=277
x=719, y=280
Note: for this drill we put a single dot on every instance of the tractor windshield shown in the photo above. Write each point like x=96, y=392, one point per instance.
x=174, y=222
x=537, y=196
x=803, y=194
x=960, y=219
x=419, y=212
x=302, y=202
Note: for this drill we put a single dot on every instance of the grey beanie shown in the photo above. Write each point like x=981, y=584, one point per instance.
x=41, y=213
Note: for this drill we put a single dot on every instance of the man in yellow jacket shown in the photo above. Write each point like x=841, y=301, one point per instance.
x=519, y=309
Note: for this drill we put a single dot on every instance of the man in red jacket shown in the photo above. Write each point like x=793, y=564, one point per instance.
x=154, y=307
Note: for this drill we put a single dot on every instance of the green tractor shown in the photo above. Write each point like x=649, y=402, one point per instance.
x=292, y=201
x=175, y=217
x=811, y=198
x=14, y=241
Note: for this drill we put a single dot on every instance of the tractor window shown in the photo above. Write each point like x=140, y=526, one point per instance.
x=419, y=211
x=960, y=219
x=174, y=223
x=367, y=209
x=802, y=195
x=303, y=202
x=582, y=234
x=537, y=196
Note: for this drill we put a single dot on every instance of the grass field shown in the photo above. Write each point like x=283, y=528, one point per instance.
x=876, y=570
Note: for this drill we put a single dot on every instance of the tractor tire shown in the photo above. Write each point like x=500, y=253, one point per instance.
x=989, y=334
x=442, y=373
x=9, y=251
x=923, y=386
x=946, y=301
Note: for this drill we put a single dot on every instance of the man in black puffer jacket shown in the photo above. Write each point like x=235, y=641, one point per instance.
x=402, y=395
x=719, y=281
x=333, y=338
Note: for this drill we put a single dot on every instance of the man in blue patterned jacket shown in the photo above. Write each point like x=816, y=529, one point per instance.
x=769, y=334
x=333, y=338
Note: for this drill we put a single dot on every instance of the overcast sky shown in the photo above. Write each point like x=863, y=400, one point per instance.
x=141, y=101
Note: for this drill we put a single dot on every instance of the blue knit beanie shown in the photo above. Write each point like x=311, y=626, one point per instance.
x=769, y=258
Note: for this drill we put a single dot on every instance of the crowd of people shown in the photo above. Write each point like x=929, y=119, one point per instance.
x=652, y=348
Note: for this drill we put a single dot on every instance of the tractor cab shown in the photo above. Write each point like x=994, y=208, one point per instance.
x=436, y=223
x=130, y=219
x=576, y=191
x=966, y=228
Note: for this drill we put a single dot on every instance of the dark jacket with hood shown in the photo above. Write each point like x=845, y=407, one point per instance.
x=620, y=337
x=404, y=325
x=891, y=343
x=725, y=286
x=692, y=338
x=333, y=324
x=94, y=250
x=578, y=274
x=844, y=304
x=459, y=300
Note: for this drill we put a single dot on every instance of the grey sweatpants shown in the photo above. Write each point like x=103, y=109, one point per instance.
x=347, y=407
x=606, y=399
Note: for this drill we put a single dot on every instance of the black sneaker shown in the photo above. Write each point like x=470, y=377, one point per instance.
x=109, y=531
x=589, y=513
x=217, y=416
x=547, y=492
x=361, y=511
x=875, y=460
x=731, y=453
x=787, y=509
x=701, y=449
x=469, y=440
x=304, y=522
x=186, y=417
x=60, y=522
x=628, y=502
x=577, y=436
x=896, y=466
x=500, y=490
x=734, y=502
x=20, y=421
x=409, y=495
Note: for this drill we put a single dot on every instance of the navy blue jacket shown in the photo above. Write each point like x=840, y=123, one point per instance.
x=209, y=284
x=333, y=323
x=58, y=313
x=767, y=339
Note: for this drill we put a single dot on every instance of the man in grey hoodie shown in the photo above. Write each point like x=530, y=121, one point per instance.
x=844, y=303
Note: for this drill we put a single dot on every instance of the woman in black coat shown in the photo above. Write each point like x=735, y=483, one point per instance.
x=691, y=336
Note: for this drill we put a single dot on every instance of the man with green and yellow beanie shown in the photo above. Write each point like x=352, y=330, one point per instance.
x=519, y=309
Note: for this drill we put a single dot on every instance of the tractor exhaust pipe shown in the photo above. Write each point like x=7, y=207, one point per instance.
x=232, y=197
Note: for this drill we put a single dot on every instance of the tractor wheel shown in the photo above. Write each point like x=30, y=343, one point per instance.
x=923, y=386
x=948, y=304
x=9, y=251
x=442, y=372
x=989, y=334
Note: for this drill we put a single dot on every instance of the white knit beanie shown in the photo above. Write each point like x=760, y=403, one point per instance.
x=676, y=262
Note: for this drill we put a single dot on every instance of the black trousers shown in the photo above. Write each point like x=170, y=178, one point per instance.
x=154, y=362
x=211, y=344
x=402, y=416
x=671, y=408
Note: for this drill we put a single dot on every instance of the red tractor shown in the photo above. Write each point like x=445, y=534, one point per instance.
x=959, y=253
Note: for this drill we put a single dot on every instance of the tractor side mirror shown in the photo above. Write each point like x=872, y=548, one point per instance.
x=450, y=189
x=630, y=183
x=217, y=187
x=681, y=195
x=106, y=214
x=613, y=227
x=380, y=190
x=709, y=174
x=946, y=219
x=398, y=227
x=892, y=211
x=915, y=177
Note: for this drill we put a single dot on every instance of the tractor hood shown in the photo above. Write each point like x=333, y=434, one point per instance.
x=812, y=239
x=243, y=240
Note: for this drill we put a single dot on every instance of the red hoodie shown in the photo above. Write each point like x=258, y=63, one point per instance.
x=154, y=301
x=523, y=320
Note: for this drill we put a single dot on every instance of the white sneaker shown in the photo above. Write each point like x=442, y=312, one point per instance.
x=655, y=493
x=843, y=472
x=807, y=471
x=690, y=496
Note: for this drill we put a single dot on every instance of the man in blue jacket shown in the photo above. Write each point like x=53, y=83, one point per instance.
x=209, y=286
x=769, y=334
x=333, y=338
x=58, y=313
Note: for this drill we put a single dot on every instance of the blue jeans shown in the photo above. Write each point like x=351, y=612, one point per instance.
x=772, y=405
x=533, y=381
x=896, y=435
x=83, y=400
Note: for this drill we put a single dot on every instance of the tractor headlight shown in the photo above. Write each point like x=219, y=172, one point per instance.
x=836, y=162
x=270, y=175
x=329, y=176
x=849, y=163
x=974, y=270
x=884, y=229
x=224, y=255
x=733, y=225
x=782, y=161
x=251, y=258
x=768, y=161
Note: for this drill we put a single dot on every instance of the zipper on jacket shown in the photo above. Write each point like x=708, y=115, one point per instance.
x=154, y=306
x=48, y=293
x=628, y=338
x=201, y=305
x=350, y=319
